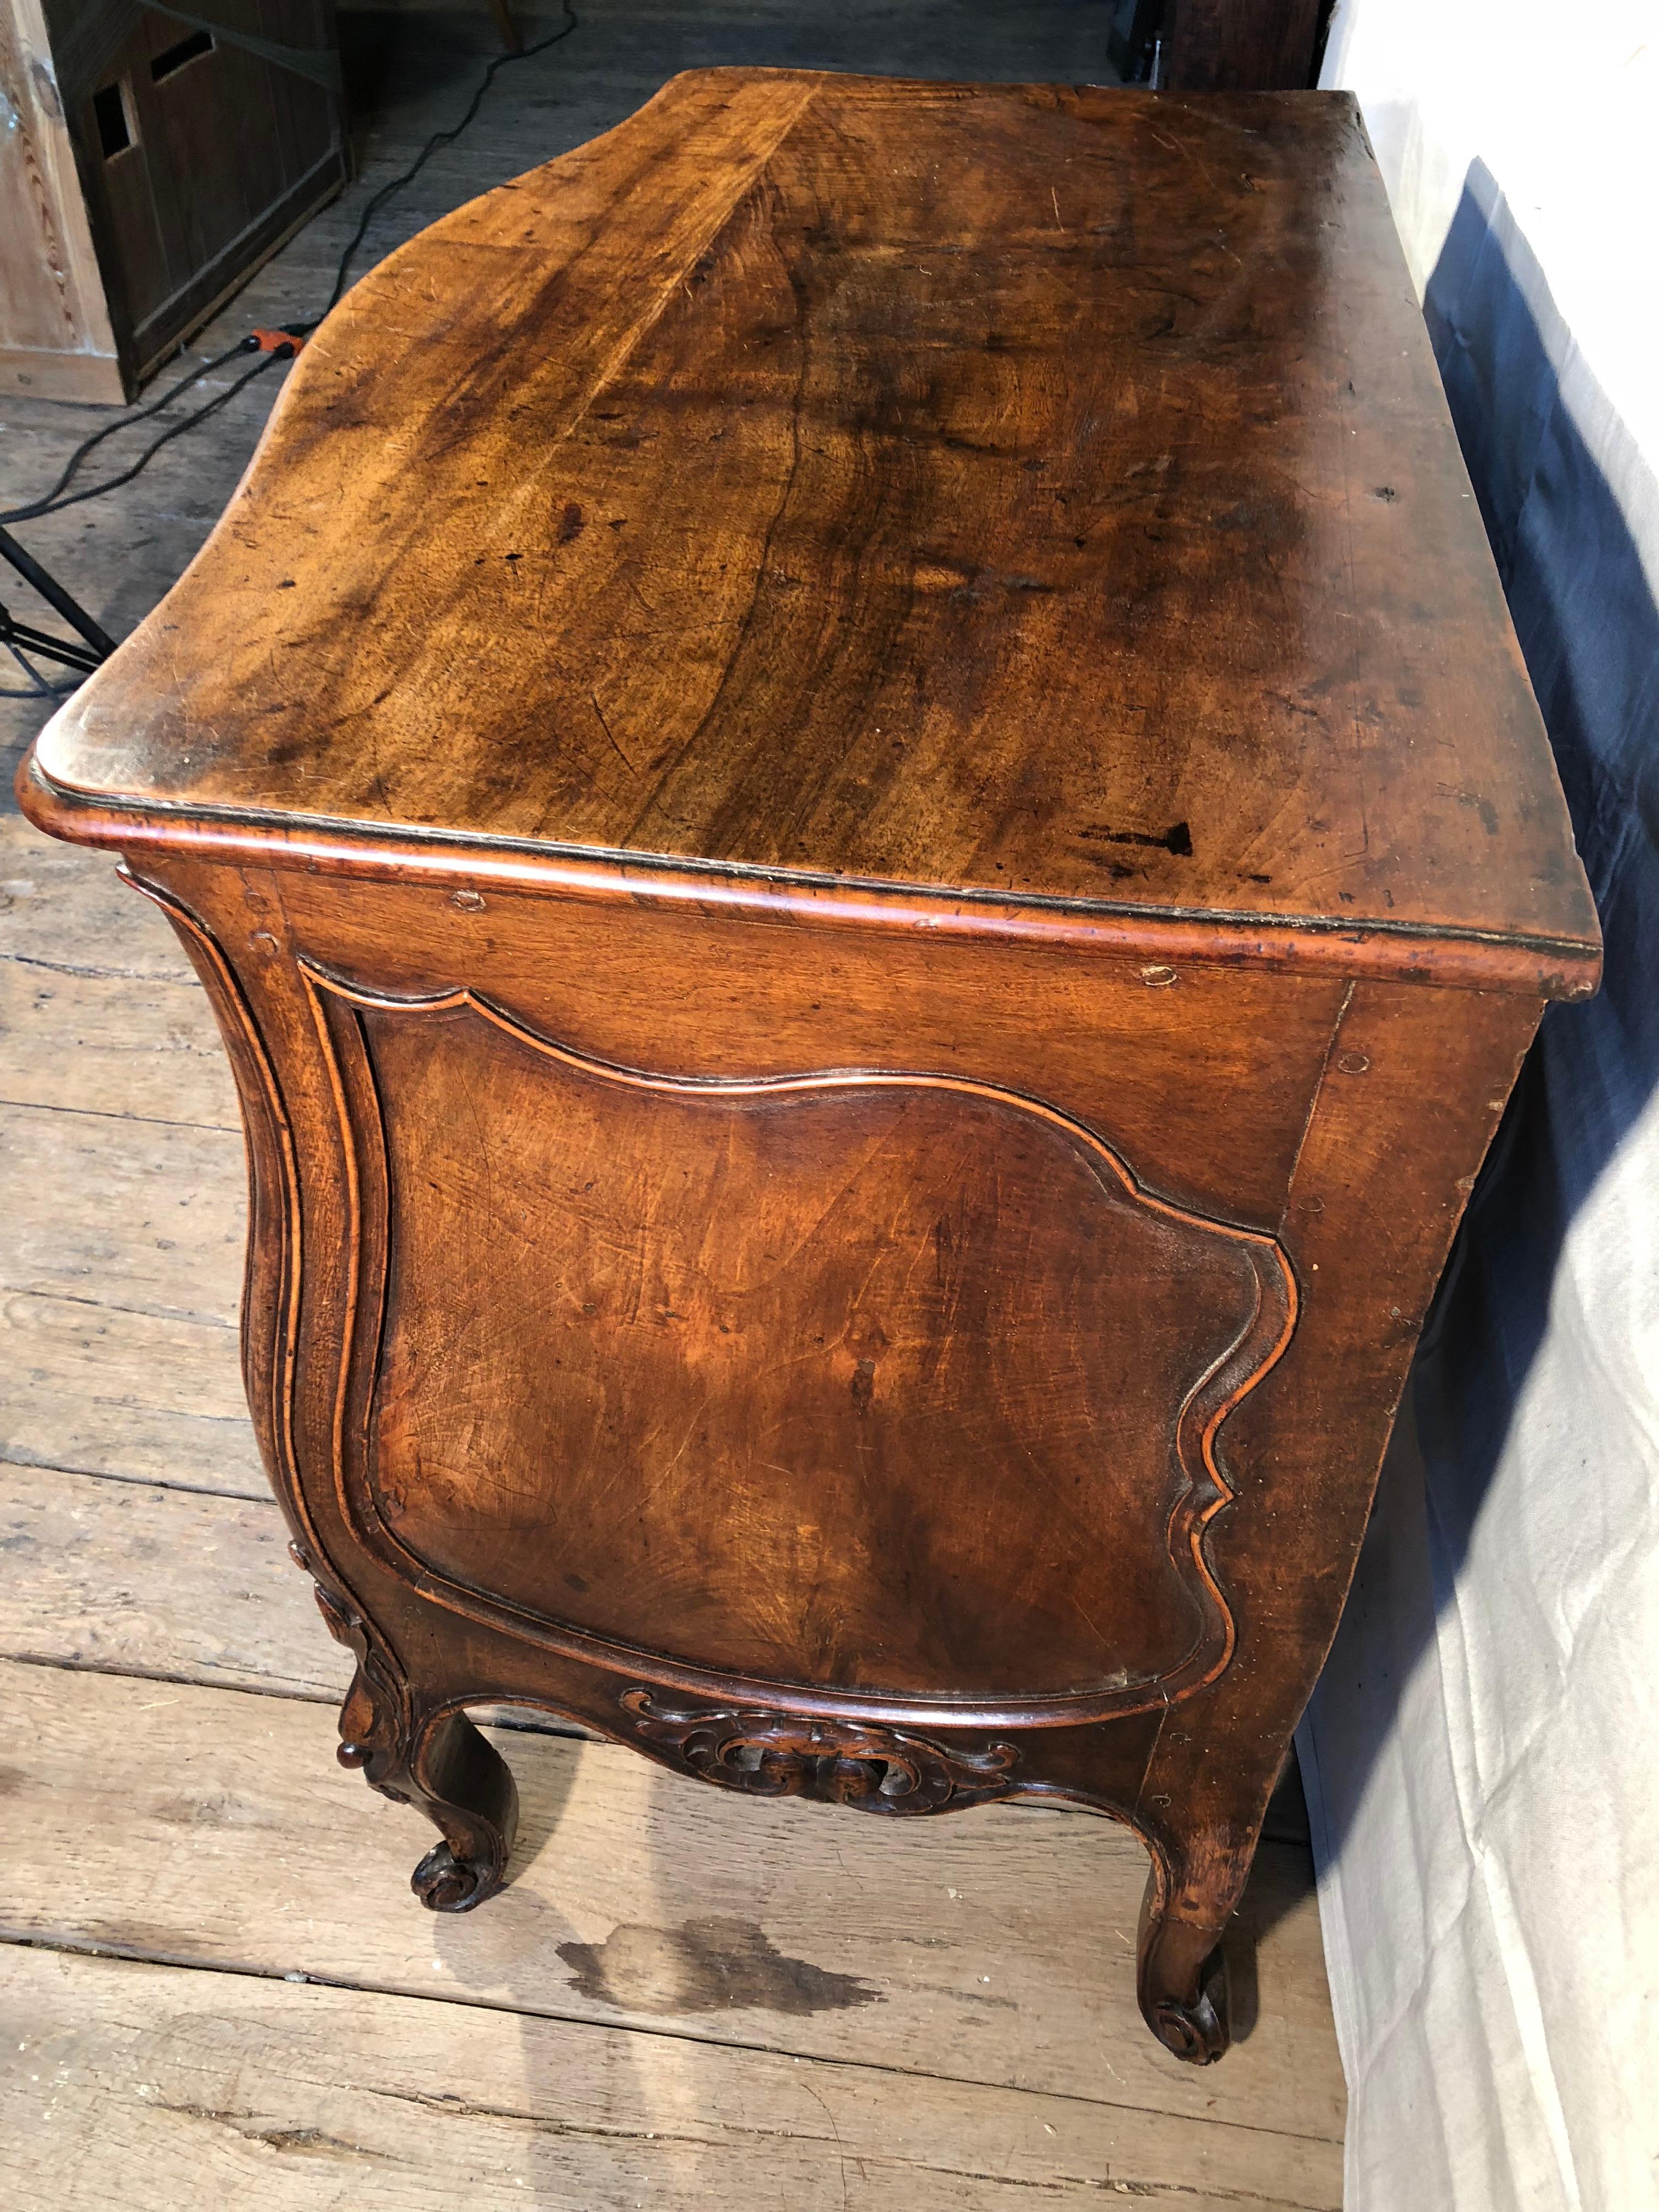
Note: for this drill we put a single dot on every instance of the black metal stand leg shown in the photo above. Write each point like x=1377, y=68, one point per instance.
x=55, y=597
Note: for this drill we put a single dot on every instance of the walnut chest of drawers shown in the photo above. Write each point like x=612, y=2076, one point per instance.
x=854, y=787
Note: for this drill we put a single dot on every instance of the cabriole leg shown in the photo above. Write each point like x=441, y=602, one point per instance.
x=1181, y=1979
x=431, y=1758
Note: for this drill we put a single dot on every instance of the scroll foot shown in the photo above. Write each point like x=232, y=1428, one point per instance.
x=1197, y=2031
x=464, y=1785
x=446, y=1884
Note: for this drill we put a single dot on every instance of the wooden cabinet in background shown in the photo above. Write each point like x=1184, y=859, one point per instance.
x=147, y=164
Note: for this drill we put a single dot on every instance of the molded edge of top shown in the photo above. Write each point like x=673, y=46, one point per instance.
x=1547, y=968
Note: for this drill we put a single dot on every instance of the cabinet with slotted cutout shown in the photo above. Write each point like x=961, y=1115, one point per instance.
x=153, y=161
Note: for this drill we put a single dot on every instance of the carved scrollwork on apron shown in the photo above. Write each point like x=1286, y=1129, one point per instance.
x=770, y=1754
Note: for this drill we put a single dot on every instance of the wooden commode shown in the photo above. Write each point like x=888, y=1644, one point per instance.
x=853, y=787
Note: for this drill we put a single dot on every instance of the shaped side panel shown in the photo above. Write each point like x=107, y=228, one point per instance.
x=894, y=1392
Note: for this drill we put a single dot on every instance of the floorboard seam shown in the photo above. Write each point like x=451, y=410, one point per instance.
x=12, y=1455
x=54, y=1663
x=91, y=974
x=26, y=1940
x=104, y=1113
x=64, y=1297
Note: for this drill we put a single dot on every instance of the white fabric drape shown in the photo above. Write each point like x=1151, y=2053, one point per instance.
x=1482, y=1754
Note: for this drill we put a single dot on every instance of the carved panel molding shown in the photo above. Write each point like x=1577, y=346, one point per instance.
x=1228, y=1307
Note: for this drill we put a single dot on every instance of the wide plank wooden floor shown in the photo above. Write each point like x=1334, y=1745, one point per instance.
x=214, y=1984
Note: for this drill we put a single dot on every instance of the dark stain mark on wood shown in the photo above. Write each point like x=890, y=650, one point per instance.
x=1486, y=811
x=864, y=1385
x=709, y=1965
x=1176, y=839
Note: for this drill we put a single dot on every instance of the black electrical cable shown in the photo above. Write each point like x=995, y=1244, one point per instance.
x=113, y=483
x=206, y=369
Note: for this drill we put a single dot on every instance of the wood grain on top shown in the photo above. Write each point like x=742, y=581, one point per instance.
x=1046, y=493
